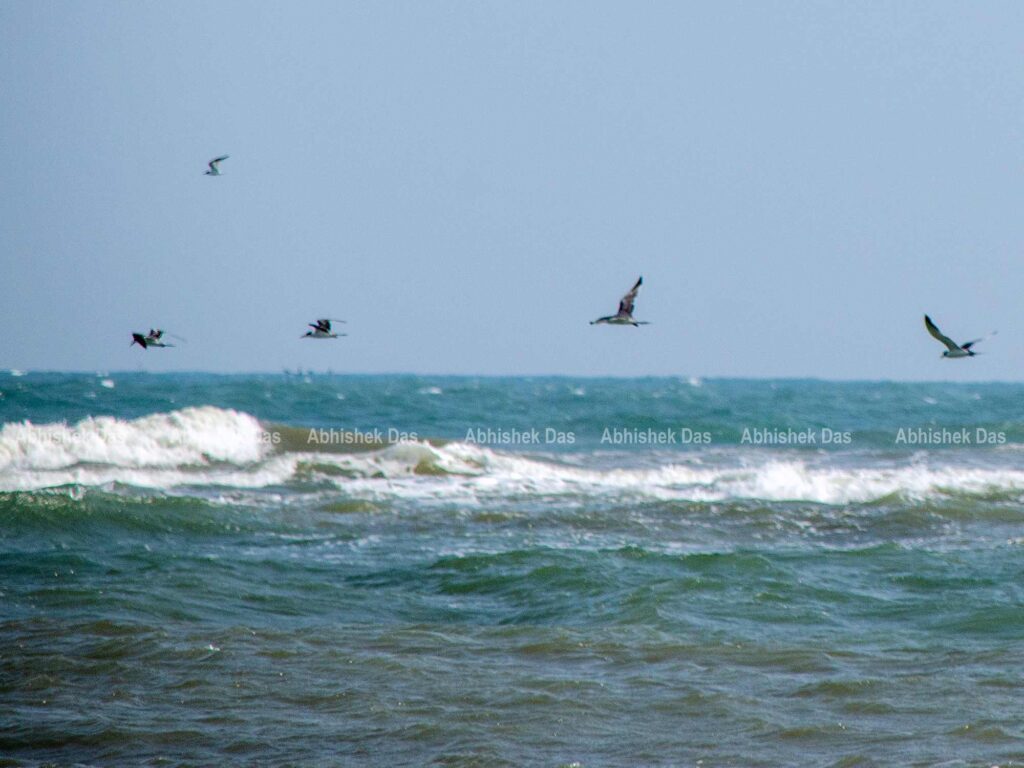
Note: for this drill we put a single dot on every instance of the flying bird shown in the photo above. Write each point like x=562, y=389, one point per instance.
x=215, y=165
x=952, y=348
x=322, y=330
x=152, y=339
x=625, y=314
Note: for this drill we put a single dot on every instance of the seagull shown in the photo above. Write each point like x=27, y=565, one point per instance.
x=322, y=330
x=152, y=339
x=625, y=314
x=953, y=349
x=215, y=165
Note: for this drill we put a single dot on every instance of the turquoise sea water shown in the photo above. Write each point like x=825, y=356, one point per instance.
x=246, y=570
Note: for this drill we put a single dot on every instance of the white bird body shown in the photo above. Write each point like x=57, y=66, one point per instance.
x=616, y=320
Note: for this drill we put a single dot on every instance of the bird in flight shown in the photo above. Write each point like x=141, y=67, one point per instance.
x=322, y=330
x=215, y=165
x=625, y=314
x=952, y=348
x=152, y=339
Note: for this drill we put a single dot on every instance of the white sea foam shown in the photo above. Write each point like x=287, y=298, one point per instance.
x=475, y=474
x=220, y=448
x=148, y=451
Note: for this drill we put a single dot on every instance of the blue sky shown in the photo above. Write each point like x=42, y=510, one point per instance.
x=470, y=183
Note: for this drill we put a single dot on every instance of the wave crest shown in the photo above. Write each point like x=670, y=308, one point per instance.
x=214, y=447
x=191, y=437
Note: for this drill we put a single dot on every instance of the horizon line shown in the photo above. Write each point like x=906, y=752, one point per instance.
x=19, y=372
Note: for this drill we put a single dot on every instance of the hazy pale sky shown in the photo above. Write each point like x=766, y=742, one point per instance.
x=470, y=183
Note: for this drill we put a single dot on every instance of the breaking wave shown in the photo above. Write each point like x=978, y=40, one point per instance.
x=208, y=446
x=149, y=451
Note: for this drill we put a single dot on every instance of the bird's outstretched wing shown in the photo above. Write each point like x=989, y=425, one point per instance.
x=324, y=324
x=972, y=342
x=626, y=305
x=936, y=333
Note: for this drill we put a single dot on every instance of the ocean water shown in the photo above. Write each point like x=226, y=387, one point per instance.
x=429, y=571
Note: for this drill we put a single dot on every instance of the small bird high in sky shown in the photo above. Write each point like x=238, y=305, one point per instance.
x=322, y=330
x=625, y=314
x=215, y=165
x=952, y=348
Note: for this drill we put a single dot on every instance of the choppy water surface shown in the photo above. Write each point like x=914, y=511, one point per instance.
x=206, y=570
